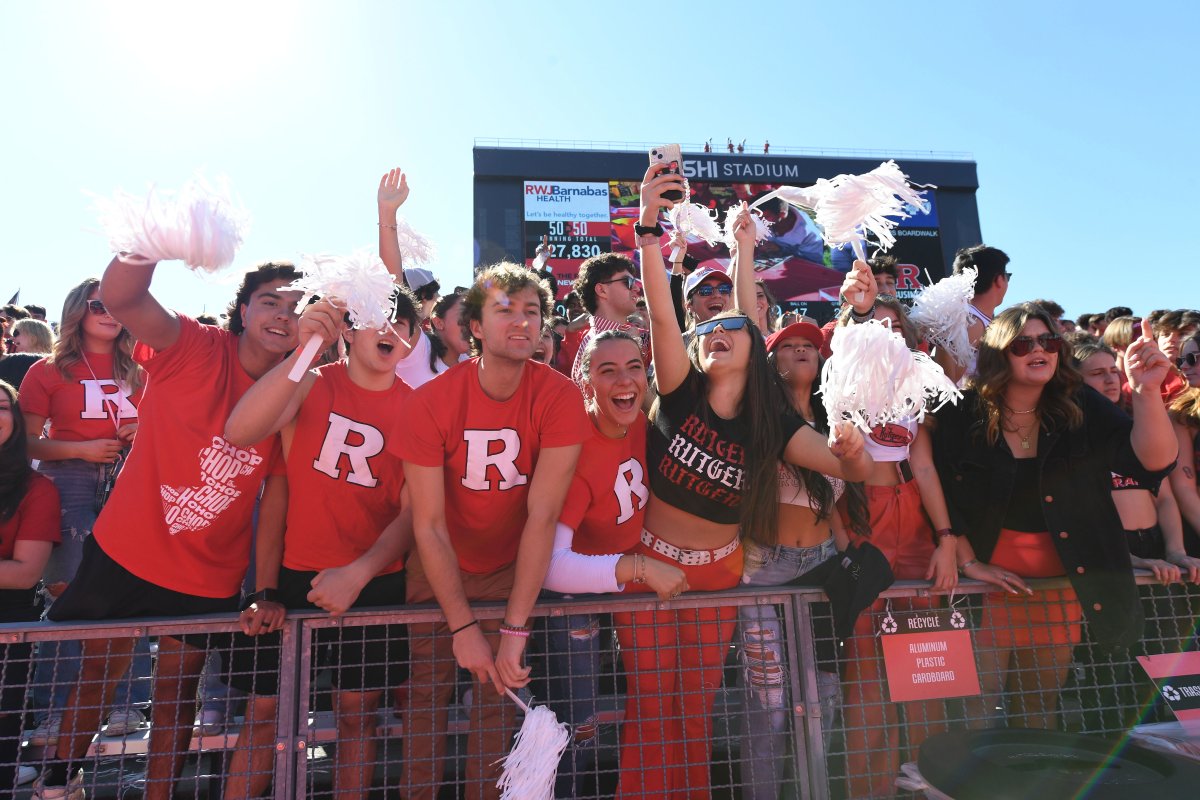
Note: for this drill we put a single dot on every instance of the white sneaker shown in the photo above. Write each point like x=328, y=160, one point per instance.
x=46, y=732
x=72, y=791
x=124, y=722
x=211, y=722
x=26, y=774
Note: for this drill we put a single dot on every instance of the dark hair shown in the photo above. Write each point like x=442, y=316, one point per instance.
x=882, y=263
x=206, y=319
x=1057, y=401
x=761, y=409
x=596, y=270
x=35, y=311
x=1052, y=308
x=1171, y=321
x=427, y=292
x=14, y=311
x=508, y=278
x=405, y=308
x=262, y=274
x=990, y=261
x=437, y=347
x=1083, y=320
x=1117, y=311
x=15, y=471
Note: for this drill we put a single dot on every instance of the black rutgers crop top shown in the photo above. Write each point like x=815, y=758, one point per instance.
x=696, y=459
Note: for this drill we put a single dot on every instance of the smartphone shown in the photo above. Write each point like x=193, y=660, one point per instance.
x=670, y=155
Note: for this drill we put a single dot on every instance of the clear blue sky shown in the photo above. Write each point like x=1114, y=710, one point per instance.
x=1081, y=116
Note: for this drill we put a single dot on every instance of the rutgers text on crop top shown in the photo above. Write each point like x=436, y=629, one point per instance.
x=696, y=459
x=890, y=442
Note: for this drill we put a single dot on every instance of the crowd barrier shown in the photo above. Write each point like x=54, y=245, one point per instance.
x=796, y=713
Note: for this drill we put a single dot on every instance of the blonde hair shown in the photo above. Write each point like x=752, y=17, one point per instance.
x=41, y=333
x=1120, y=334
x=68, y=350
x=1056, y=405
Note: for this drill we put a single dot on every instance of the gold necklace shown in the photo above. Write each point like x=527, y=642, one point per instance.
x=1024, y=432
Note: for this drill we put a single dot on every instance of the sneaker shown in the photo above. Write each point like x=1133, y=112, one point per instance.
x=72, y=791
x=46, y=732
x=211, y=722
x=26, y=774
x=124, y=722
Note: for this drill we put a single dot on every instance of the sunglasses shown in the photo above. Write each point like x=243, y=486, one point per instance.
x=97, y=307
x=1023, y=345
x=1008, y=276
x=709, y=289
x=628, y=280
x=1190, y=360
x=724, y=323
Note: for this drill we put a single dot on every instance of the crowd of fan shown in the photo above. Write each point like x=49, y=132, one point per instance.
x=432, y=461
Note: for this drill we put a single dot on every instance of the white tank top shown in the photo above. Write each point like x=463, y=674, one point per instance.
x=891, y=442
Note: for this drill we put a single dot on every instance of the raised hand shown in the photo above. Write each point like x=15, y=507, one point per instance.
x=859, y=288
x=393, y=190
x=1145, y=365
x=654, y=184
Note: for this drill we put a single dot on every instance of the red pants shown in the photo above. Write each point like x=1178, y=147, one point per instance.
x=674, y=662
x=901, y=530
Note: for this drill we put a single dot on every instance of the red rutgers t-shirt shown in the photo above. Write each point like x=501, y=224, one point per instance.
x=179, y=516
x=37, y=518
x=83, y=407
x=343, y=484
x=606, y=503
x=488, y=449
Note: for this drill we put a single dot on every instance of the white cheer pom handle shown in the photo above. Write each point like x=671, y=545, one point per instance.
x=359, y=283
x=872, y=378
x=415, y=249
x=532, y=765
x=942, y=313
x=199, y=225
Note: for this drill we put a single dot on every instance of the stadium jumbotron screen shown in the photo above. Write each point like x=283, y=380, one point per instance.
x=586, y=203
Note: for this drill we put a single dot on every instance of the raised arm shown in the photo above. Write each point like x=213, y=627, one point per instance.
x=274, y=399
x=742, y=265
x=1152, y=438
x=671, y=364
x=393, y=191
x=125, y=292
x=547, y=490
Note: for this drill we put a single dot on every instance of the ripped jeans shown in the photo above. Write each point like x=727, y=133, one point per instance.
x=57, y=663
x=765, y=740
x=572, y=684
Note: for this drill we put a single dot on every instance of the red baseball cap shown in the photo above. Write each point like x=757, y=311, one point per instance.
x=805, y=330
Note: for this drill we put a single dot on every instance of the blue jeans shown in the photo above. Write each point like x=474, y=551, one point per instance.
x=765, y=680
x=572, y=684
x=57, y=663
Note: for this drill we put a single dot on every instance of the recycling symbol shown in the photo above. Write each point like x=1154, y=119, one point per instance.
x=889, y=624
x=957, y=620
x=1171, y=694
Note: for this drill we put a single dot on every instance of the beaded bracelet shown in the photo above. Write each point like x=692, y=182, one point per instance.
x=514, y=630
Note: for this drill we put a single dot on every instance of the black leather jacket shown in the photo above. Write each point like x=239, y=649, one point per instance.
x=1075, y=482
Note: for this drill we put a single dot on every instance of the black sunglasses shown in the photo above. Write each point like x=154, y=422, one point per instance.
x=628, y=280
x=1190, y=360
x=1023, y=345
x=97, y=307
x=724, y=323
x=708, y=289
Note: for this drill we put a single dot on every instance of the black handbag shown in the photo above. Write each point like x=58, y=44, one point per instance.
x=853, y=580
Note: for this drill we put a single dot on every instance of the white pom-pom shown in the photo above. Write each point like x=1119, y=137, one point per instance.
x=415, y=249
x=532, y=765
x=872, y=378
x=850, y=207
x=358, y=282
x=693, y=219
x=199, y=225
x=941, y=312
x=762, y=229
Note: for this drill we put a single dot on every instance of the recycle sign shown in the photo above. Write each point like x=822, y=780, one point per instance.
x=957, y=620
x=889, y=624
x=1171, y=694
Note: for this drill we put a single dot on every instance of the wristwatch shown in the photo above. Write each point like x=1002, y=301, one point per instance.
x=265, y=596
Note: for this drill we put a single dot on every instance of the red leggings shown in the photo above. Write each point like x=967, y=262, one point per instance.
x=674, y=662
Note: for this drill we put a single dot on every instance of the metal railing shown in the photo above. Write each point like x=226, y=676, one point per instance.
x=605, y=665
x=719, y=148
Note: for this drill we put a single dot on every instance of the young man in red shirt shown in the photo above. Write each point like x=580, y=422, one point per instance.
x=344, y=543
x=174, y=537
x=490, y=451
